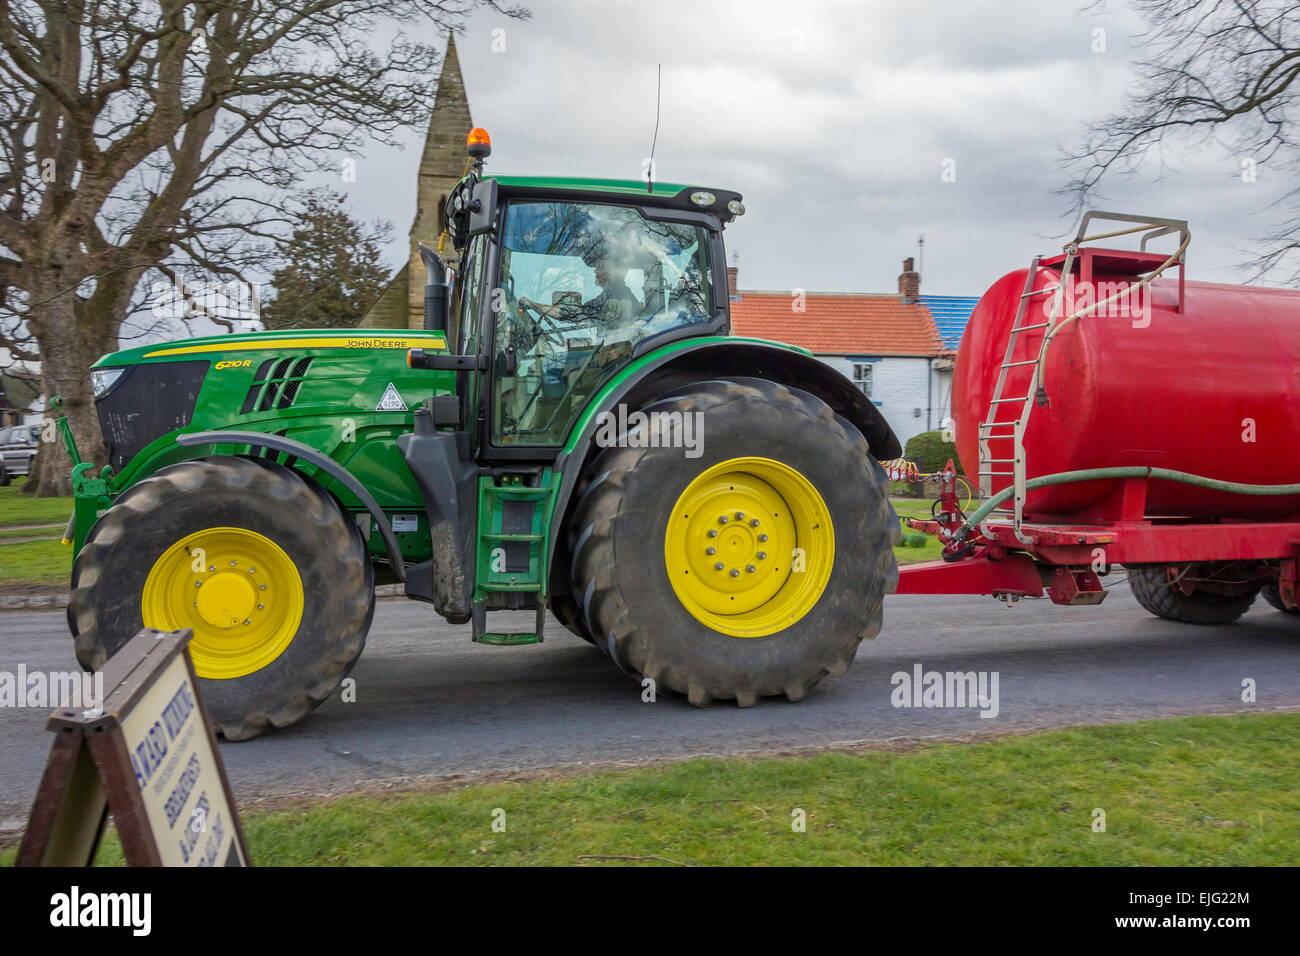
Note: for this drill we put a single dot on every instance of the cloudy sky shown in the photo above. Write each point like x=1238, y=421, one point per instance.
x=835, y=120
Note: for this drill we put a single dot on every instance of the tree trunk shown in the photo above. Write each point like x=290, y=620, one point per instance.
x=68, y=347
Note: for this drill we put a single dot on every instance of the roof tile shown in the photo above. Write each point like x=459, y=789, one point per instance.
x=838, y=324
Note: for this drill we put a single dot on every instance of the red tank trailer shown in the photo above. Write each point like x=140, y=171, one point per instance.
x=1125, y=416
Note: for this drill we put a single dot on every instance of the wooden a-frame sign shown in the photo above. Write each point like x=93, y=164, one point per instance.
x=147, y=755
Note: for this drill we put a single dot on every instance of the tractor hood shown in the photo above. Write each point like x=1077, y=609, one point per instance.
x=265, y=381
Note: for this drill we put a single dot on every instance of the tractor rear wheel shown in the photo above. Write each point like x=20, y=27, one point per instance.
x=263, y=565
x=752, y=569
x=1158, y=595
x=1273, y=596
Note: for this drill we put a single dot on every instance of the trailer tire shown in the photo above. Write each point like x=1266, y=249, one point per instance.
x=1273, y=596
x=300, y=561
x=1151, y=587
x=632, y=522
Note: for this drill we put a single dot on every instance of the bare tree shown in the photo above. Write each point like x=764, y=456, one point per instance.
x=1222, y=73
x=140, y=135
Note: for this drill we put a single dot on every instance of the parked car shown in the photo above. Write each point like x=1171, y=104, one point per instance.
x=17, y=450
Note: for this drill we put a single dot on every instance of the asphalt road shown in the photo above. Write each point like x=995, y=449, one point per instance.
x=430, y=704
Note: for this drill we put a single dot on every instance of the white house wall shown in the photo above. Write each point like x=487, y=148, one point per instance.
x=899, y=389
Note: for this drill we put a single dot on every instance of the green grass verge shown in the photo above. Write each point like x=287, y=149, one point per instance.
x=40, y=531
x=915, y=508
x=44, y=563
x=17, y=508
x=35, y=562
x=1189, y=791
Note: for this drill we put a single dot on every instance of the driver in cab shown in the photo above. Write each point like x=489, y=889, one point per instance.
x=615, y=304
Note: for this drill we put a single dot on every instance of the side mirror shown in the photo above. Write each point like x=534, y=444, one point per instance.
x=483, y=207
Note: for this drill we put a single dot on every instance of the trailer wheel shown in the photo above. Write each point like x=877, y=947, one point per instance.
x=1274, y=597
x=784, y=494
x=1152, y=588
x=263, y=565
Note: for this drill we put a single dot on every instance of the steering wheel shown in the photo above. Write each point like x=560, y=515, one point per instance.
x=548, y=327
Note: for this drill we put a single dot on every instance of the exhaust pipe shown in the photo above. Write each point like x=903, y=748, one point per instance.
x=435, y=291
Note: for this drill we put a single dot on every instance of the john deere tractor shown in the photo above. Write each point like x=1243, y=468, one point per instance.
x=573, y=429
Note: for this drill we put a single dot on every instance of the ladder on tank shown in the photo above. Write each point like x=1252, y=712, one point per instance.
x=1002, y=433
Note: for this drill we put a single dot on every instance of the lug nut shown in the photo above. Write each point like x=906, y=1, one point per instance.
x=245, y=620
x=260, y=606
x=710, y=550
x=262, y=587
x=722, y=519
x=212, y=567
x=713, y=532
x=762, y=555
x=198, y=584
x=754, y=522
x=749, y=568
x=735, y=573
x=252, y=570
x=719, y=566
x=740, y=516
x=762, y=537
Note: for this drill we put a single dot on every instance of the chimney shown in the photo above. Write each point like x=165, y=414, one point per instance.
x=732, y=273
x=909, y=282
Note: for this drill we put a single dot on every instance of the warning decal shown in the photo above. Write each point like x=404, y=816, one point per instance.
x=391, y=402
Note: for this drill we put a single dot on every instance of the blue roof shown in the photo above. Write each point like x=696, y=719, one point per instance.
x=951, y=313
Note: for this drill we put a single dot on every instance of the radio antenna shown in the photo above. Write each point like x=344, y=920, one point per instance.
x=650, y=170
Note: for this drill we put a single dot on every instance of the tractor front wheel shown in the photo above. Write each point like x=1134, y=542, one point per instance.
x=264, y=566
x=751, y=564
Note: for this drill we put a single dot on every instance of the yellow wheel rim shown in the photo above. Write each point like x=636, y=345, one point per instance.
x=749, y=547
x=237, y=590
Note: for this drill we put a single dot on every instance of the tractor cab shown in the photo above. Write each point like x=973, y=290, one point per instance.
x=561, y=283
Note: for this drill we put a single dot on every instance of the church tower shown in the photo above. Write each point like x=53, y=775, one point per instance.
x=401, y=306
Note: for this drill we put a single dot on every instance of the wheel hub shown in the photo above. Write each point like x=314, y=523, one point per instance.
x=226, y=599
x=237, y=590
x=749, y=546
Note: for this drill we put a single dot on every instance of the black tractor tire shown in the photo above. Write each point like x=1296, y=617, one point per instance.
x=1273, y=596
x=619, y=573
x=324, y=544
x=568, y=613
x=1151, y=587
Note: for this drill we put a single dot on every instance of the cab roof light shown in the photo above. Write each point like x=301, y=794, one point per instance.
x=478, y=143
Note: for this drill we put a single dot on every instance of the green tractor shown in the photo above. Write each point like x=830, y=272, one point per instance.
x=574, y=429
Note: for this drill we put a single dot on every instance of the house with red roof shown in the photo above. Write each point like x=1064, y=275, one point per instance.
x=888, y=344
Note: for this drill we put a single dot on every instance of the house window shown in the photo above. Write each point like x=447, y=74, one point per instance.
x=862, y=377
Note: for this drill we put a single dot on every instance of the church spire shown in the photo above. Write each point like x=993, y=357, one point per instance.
x=442, y=164
x=449, y=123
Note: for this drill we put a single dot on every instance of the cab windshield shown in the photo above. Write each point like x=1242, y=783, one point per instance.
x=580, y=285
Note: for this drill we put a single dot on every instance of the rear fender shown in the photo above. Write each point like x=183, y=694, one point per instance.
x=711, y=359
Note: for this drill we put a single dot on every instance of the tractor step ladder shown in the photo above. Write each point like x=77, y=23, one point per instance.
x=1001, y=434
x=513, y=521
x=1006, y=429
